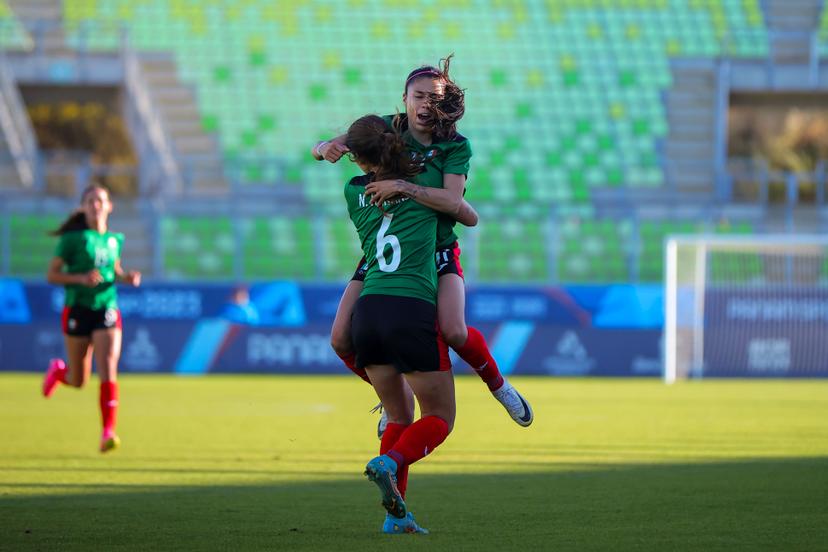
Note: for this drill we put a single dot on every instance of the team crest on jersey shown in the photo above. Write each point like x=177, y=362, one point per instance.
x=112, y=242
x=110, y=317
x=420, y=159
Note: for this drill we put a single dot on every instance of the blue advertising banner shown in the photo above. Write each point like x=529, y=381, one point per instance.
x=282, y=327
x=773, y=332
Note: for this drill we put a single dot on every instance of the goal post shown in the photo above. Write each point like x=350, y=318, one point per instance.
x=745, y=306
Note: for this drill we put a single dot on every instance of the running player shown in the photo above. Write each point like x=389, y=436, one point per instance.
x=394, y=325
x=433, y=104
x=88, y=263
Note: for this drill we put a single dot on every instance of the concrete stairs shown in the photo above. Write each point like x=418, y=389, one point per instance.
x=43, y=20
x=790, y=24
x=690, y=145
x=197, y=151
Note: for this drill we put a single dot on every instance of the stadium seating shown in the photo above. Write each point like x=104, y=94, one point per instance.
x=31, y=247
x=562, y=97
x=582, y=92
x=823, y=34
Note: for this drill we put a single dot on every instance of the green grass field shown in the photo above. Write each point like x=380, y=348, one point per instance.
x=275, y=463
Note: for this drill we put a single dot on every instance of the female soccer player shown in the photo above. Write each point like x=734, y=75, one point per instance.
x=88, y=263
x=394, y=324
x=433, y=105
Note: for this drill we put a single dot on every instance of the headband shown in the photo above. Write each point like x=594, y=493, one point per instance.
x=421, y=73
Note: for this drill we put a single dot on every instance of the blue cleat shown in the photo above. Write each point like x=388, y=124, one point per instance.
x=400, y=526
x=382, y=470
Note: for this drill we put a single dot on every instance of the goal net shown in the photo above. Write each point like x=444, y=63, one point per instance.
x=746, y=306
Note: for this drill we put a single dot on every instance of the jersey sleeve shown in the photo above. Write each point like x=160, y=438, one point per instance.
x=65, y=247
x=120, y=238
x=457, y=159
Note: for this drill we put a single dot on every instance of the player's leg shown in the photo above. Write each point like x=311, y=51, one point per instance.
x=79, y=357
x=341, y=328
x=470, y=344
x=399, y=407
x=107, y=345
x=76, y=336
x=397, y=396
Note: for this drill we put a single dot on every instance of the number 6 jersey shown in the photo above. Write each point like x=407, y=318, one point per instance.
x=398, y=246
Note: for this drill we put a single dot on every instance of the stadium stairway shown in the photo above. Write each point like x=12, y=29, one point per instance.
x=138, y=243
x=197, y=151
x=790, y=24
x=691, y=140
x=43, y=20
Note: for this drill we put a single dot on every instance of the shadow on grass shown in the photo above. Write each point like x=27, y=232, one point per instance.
x=747, y=505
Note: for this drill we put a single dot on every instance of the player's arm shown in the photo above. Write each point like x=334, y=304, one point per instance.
x=56, y=275
x=448, y=200
x=131, y=277
x=330, y=150
x=466, y=215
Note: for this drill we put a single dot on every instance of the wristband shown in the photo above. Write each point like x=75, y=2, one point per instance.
x=317, y=148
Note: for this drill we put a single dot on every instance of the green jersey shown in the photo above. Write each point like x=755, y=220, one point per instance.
x=398, y=246
x=439, y=158
x=85, y=250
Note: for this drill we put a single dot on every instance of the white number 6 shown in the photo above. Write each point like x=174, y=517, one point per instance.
x=382, y=242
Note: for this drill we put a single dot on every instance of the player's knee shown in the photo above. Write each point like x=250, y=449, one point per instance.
x=76, y=382
x=340, y=345
x=455, y=335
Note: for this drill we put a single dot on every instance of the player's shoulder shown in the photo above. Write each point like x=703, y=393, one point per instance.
x=115, y=238
x=402, y=123
x=360, y=180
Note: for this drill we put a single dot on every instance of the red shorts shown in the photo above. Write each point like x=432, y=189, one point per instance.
x=448, y=260
x=81, y=322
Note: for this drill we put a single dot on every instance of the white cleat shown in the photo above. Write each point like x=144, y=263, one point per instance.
x=383, y=421
x=515, y=404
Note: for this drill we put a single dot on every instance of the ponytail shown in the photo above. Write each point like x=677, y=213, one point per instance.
x=76, y=221
x=371, y=141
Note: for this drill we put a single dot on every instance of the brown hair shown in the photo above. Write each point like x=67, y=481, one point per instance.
x=448, y=108
x=372, y=142
x=77, y=220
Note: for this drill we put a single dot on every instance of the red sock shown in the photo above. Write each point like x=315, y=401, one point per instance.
x=419, y=439
x=476, y=354
x=109, y=404
x=389, y=439
x=350, y=361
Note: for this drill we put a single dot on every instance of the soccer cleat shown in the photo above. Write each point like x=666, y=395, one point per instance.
x=382, y=470
x=383, y=421
x=109, y=441
x=53, y=376
x=400, y=526
x=514, y=403
x=382, y=424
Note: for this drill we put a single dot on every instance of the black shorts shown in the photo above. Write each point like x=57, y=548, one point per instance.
x=81, y=322
x=402, y=331
x=447, y=260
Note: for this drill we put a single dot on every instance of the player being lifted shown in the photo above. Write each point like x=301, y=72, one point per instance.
x=88, y=263
x=433, y=106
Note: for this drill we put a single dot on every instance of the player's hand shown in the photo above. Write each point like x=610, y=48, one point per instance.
x=333, y=151
x=133, y=278
x=91, y=278
x=382, y=191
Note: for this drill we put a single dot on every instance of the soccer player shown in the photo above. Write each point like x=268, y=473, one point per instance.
x=433, y=106
x=88, y=263
x=394, y=324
